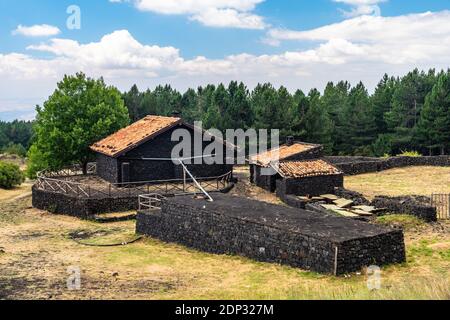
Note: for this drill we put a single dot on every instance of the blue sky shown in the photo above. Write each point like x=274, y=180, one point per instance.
x=299, y=44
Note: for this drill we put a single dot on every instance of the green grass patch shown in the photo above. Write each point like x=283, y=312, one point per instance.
x=407, y=222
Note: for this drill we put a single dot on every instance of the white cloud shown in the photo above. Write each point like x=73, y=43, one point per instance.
x=410, y=39
x=361, y=7
x=43, y=30
x=362, y=48
x=212, y=13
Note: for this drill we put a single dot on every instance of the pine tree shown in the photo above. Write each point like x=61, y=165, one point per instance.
x=381, y=100
x=133, y=99
x=297, y=112
x=189, y=106
x=335, y=100
x=264, y=106
x=361, y=121
x=433, y=130
x=284, y=104
x=318, y=125
x=407, y=102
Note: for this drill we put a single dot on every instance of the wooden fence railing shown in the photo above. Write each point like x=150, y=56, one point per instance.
x=60, y=182
x=442, y=204
x=150, y=201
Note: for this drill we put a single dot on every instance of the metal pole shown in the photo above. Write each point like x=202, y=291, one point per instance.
x=184, y=180
x=196, y=182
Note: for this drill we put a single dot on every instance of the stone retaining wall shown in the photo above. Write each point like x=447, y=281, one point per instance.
x=360, y=165
x=406, y=205
x=269, y=233
x=309, y=186
x=81, y=207
x=356, y=197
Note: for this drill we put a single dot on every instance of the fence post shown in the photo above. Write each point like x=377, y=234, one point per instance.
x=448, y=207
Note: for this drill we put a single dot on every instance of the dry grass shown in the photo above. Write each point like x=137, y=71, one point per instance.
x=36, y=250
x=6, y=195
x=402, y=181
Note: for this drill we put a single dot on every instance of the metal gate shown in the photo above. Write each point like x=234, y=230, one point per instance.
x=442, y=204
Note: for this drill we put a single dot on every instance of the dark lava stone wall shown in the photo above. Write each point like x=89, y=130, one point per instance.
x=356, y=197
x=312, y=186
x=108, y=168
x=266, y=182
x=359, y=165
x=217, y=233
x=406, y=205
x=377, y=250
x=78, y=207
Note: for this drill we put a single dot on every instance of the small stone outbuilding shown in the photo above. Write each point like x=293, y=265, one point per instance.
x=307, y=178
x=262, y=173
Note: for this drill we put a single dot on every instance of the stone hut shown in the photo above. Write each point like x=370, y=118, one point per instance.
x=261, y=170
x=142, y=152
x=307, y=178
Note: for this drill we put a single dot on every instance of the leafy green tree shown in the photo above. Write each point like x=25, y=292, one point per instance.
x=38, y=160
x=79, y=113
x=433, y=130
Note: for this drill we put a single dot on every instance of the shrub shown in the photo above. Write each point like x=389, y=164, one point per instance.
x=15, y=149
x=382, y=146
x=409, y=154
x=10, y=175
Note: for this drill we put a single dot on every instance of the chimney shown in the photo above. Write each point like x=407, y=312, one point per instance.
x=176, y=114
x=290, y=141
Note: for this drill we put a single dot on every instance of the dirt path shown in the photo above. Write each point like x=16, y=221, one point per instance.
x=36, y=254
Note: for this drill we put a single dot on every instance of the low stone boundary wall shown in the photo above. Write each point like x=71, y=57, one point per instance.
x=270, y=233
x=407, y=205
x=360, y=165
x=59, y=203
x=309, y=186
x=356, y=197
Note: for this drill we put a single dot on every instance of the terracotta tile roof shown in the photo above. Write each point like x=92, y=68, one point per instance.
x=133, y=135
x=284, y=152
x=303, y=169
